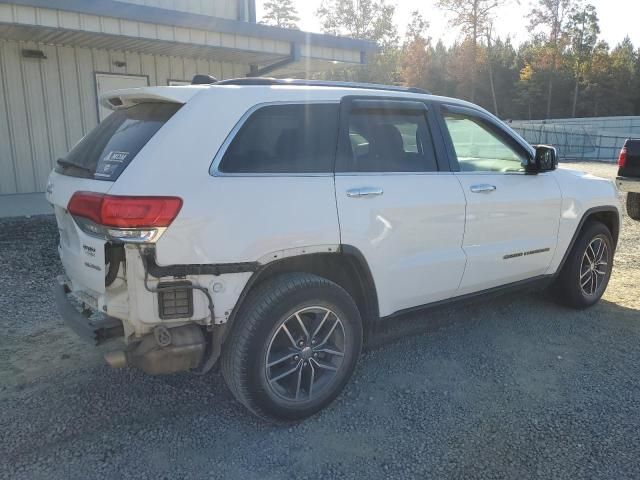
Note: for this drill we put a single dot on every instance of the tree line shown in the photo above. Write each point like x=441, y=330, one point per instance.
x=563, y=69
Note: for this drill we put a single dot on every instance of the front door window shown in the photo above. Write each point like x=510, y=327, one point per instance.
x=479, y=149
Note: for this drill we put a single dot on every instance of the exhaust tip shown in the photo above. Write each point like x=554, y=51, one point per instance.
x=117, y=359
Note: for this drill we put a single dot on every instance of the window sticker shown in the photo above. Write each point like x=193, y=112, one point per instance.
x=110, y=163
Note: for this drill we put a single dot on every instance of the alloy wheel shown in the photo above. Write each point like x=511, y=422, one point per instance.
x=305, y=354
x=594, y=266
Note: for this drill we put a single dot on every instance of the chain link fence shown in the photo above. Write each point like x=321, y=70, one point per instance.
x=598, y=139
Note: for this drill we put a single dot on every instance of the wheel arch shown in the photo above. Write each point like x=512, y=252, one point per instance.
x=346, y=267
x=608, y=215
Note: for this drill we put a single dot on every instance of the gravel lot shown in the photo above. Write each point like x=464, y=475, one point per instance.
x=510, y=388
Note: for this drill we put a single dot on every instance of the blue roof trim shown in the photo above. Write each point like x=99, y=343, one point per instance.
x=140, y=13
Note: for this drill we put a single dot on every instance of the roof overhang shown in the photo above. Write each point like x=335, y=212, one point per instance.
x=115, y=25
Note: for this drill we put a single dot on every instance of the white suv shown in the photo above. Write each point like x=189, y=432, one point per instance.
x=273, y=224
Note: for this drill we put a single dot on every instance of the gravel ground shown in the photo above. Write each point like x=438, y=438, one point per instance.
x=515, y=387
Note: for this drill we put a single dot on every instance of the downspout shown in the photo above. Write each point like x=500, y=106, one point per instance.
x=293, y=57
x=251, y=18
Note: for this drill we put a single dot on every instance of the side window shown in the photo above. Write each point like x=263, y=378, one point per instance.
x=478, y=148
x=389, y=141
x=295, y=138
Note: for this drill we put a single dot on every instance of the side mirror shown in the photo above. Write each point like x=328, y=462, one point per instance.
x=545, y=160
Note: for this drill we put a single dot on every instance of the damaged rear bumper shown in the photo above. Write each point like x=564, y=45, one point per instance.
x=93, y=330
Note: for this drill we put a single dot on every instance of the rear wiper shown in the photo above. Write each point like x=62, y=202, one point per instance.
x=66, y=163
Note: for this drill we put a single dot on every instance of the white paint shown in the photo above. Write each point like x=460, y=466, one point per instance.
x=521, y=215
x=411, y=235
x=107, y=82
x=426, y=238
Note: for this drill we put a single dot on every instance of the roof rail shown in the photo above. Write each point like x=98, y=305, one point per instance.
x=318, y=83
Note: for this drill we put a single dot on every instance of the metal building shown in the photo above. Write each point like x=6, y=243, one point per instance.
x=57, y=56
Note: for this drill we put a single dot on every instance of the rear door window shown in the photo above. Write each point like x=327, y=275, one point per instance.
x=294, y=138
x=389, y=141
x=106, y=151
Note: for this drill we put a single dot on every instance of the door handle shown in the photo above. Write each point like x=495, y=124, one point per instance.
x=364, y=192
x=483, y=188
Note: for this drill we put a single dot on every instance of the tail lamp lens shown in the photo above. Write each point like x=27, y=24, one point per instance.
x=622, y=159
x=120, y=212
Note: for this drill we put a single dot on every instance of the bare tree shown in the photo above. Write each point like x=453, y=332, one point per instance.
x=488, y=34
x=472, y=17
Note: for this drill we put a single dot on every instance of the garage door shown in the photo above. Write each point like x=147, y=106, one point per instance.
x=106, y=82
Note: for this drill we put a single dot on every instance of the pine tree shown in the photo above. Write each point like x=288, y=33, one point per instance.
x=583, y=31
x=551, y=16
x=280, y=13
x=368, y=20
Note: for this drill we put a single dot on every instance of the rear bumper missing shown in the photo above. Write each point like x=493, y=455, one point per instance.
x=95, y=331
x=628, y=184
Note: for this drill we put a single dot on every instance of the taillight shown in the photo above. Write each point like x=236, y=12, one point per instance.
x=129, y=219
x=622, y=159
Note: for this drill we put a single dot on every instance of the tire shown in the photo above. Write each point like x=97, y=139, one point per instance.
x=258, y=339
x=578, y=286
x=633, y=205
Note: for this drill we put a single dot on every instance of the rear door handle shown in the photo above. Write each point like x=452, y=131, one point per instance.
x=364, y=192
x=483, y=188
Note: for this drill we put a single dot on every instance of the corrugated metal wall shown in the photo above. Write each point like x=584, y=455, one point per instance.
x=214, y=8
x=47, y=105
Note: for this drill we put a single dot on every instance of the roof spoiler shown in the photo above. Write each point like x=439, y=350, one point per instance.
x=126, y=98
x=200, y=79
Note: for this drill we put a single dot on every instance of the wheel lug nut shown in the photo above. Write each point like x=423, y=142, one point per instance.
x=315, y=355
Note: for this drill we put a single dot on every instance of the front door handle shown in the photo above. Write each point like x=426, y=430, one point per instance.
x=364, y=192
x=483, y=188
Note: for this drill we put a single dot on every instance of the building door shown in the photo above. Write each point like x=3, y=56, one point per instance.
x=106, y=82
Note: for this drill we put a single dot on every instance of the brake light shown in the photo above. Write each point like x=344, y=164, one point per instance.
x=622, y=159
x=137, y=219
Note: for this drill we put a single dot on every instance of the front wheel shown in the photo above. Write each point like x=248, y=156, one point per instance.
x=294, y=348
x=585, y=275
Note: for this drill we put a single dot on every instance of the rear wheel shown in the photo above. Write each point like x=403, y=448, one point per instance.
x=294, y=347
x=586, y=272
x=633, y=205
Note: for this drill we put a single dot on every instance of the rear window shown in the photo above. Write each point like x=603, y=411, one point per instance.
x=297, y=138
x=633, y=147
x=107, y=150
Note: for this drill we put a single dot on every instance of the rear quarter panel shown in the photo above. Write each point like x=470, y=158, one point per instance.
x=228, y=219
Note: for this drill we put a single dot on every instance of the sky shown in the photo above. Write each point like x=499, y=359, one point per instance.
x=617, y=18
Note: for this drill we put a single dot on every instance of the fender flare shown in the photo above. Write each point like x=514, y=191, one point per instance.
x=363, y=271
x=585, y=217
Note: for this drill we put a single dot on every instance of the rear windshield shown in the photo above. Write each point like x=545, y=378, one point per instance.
x=633, y=147
x=107, y=150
